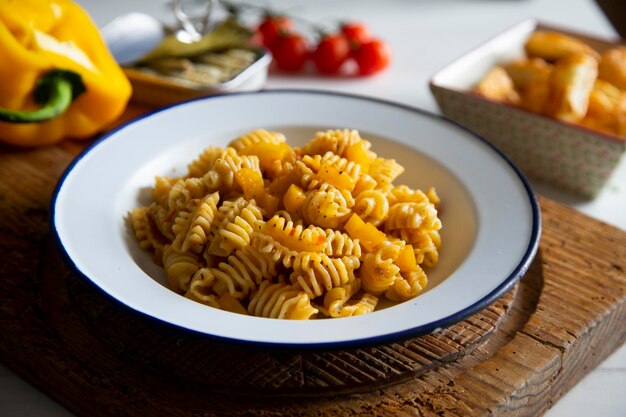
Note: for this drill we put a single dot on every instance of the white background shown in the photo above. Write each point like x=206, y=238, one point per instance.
x=424, y=35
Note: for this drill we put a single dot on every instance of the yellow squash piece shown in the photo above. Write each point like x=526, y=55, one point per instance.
x=369, y=236
x=251, y=182
x=229, y=303
x=267, y=153
x=293, y=199
x=406, y=260
x=357, y=152
x=339, y=179
x=268, y=203
x=38, y=37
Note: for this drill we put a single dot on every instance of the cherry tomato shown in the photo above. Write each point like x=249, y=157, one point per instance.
x=290, y=51
x=272, y=26
x=355, y=32
x=331, y=53
x=257, y=39
x=372, y=56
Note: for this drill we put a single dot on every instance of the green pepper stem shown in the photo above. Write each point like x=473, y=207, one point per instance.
x=55, y=91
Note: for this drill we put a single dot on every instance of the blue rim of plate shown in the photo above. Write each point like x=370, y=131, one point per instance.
x=518, y=272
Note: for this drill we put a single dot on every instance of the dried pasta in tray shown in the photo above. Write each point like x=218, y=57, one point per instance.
x=268, y=230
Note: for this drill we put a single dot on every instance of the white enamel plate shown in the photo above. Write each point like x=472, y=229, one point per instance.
x=491, y=220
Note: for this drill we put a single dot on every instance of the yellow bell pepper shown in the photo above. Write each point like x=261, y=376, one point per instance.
x=369, y=236
x=57, y=77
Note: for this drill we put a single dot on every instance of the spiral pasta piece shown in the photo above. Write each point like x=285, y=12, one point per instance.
x=223, y=241
x=432, y=195
x=406, y=216
x=281, y=301
x=335, y=141
x=327, y=208
x=278, y=252
x=200, y=288
x=321, y=172
x=418, y=224
x=222, y=176
x=146, y=232
x=364, y=183
x=333, y=170
x=293, y=236
x=289, y=217
x=340, y=244
x=372, y=206
x=385, y=171
x=205, y=161
x=313, y=162
x=427, y=248
x=427, y=211
x=379, y=271
x=244, y=142
x=191, y=228
x=183, y=191
x=349, y=167
x=237, y=234
x=267, y=146
x=260, y=266
x=316, y=162
x=317, y=273
x=141, y=226
x=337, y=297
x=281, y=173
x=163, y=219
x=161, y=190
x=426, y=244
x=336, y=301
x=179, y=268
x=232, y=161
x=307, y=177
x=408, y=285
x=238, y=276
x=234, y=277
x=404, y=194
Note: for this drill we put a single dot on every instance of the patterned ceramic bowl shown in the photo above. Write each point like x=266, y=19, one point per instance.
x=565, y=155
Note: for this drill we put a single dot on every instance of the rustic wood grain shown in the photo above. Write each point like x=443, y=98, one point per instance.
x=78, y=312
x=515, y=358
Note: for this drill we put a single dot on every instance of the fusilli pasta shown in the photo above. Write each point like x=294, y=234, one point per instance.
x=263, y=229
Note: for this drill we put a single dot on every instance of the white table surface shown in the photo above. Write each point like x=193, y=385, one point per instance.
x=424, y=35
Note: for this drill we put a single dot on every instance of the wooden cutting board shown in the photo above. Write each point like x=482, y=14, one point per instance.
x=97, y=358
